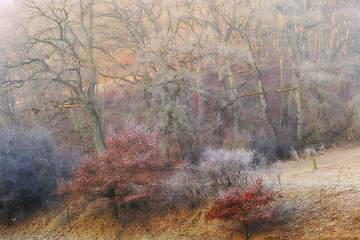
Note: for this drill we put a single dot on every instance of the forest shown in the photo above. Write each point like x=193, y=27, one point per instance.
x=182, y=100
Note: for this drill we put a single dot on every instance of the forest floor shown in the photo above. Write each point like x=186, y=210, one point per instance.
x=322, y=203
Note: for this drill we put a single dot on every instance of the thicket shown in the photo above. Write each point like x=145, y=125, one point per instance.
x=273, y=150
x=131, y=176
x=30, y=164
x=128, y=174
x=217, y=171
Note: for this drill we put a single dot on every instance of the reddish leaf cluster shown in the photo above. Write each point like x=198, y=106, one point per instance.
x=247, y=206
x=127, y=172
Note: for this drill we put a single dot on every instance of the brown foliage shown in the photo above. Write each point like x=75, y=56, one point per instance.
x=127, y=173
x=249, y=206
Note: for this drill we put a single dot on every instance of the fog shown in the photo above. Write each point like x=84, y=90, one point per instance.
x=5, y=4
x=209, y=84
x=207, y=73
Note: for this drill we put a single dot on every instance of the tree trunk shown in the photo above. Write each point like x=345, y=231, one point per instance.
x=295, y=60
x=165, y=124
x=91, y=110
x=290, y=116
x=260, y=87
x=96, y=129
x=246, y=228
x=202, y=95
x=219, y=110
x=77, y=126
x=284, y=108
x=236, y=106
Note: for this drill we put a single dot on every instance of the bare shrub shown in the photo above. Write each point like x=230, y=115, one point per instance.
x=30, y=164
x=216, y=172
x=185, y=187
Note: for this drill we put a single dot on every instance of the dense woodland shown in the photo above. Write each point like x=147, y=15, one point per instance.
x=207, y=73
x=260, y=75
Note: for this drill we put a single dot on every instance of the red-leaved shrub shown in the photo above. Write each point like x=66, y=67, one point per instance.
x=246, y=207
x=127, y=173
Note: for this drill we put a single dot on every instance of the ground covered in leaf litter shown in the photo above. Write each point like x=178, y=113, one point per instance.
x=320, y=203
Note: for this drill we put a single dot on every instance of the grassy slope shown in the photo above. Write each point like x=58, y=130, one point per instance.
x=317, y=204
x=323, y=203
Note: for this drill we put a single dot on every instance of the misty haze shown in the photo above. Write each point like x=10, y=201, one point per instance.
x=179, y=119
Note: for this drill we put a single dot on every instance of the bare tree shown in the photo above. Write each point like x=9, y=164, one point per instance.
x=59, y=53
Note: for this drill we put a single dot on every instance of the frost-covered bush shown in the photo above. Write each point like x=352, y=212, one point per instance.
x=216, y=172
x=29, y=166
x=223, y=169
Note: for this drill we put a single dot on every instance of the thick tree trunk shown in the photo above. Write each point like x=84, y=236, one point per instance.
x=295, y=61
x=77, y=126
x=284, y=107
x=96, y=129
x=260, y=87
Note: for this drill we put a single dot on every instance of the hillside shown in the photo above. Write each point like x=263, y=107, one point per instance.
x=323, y=202
x=316, y=204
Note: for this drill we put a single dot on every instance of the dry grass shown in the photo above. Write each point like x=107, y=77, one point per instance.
x=316, y=204
x=321, y=203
